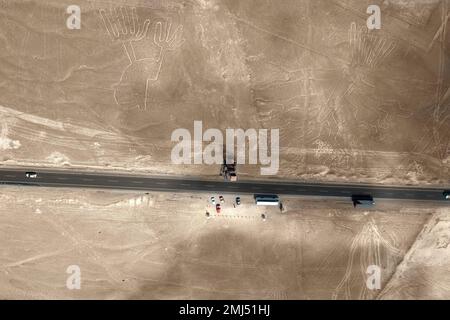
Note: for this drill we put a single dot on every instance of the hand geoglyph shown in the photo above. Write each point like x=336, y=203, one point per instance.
x=123, y=25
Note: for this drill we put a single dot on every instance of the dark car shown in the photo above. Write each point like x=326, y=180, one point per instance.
x=238, y=201
x=218, y=208
x=363, y=200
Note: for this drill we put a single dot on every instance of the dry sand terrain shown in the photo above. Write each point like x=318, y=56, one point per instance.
x=424, y=273
x=351, y=105
x=162, y=246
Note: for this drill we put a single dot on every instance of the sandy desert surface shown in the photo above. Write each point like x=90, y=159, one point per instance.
x=351, y=105
x=162, y=246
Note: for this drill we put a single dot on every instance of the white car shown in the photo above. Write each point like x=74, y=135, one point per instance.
x=213, y=200
x=31, y=175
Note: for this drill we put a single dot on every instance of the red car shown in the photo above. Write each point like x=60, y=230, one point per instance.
x=218, y=208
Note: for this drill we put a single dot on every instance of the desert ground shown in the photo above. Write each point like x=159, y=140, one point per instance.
x=351, y=104
x=162, y=246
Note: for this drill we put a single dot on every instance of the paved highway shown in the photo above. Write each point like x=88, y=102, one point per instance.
x=80, y=179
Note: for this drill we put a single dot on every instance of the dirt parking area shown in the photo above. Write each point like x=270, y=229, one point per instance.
x=162, y=246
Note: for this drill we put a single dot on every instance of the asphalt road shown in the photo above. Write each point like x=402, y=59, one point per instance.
x=79, y=179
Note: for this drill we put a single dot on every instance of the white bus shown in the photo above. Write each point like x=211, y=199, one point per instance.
x=267, y=200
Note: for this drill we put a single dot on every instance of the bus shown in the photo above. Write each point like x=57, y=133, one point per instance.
x=267, y=200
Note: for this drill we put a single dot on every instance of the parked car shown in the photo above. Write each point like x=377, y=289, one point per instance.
x=221, y=199
x=238, y=201
x=213, y=200
x=31, y=175
x=218, y=208
x=447, y=194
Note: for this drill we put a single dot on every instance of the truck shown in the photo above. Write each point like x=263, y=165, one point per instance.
x=228, y=170
x=446, y=194
x=363, y=200
x=267, y=200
